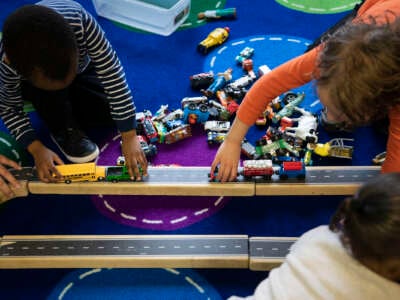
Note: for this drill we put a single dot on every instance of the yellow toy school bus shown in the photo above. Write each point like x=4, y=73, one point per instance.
x=81, y=172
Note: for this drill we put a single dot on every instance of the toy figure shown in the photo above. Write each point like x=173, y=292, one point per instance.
x=225, y=13
x=215, y=38
x=222, y=79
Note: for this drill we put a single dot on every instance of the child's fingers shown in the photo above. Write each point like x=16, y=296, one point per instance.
x=6, y=161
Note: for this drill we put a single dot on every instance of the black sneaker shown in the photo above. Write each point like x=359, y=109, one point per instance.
x=75, y=145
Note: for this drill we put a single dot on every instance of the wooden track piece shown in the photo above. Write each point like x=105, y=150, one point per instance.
x=193, y=181
x=335, y=180
x=145, y=251
x=267, y=253
x=169, y=181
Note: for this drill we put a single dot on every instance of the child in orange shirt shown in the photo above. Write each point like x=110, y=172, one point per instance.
x=357, y=72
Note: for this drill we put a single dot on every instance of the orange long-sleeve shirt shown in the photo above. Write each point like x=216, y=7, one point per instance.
x=300, y=70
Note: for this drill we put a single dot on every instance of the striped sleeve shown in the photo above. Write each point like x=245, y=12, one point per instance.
x=110, y=73
x=12, y=106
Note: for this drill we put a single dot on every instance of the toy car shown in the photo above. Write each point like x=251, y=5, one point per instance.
x=215, y=38
x=215, y=137
x=222, y=113
x=236, y=93
x=201, y=80
x=379, y=159
x=213, y=176
x=247, y=52
x=196, y=100
x=195, y=114
x=161, y=130
x=148, y=149
x=263, y=69
x=178, y=134
x=117, y=173
x=145, y=126
x=241, y=82
x=176, y=114
x=340, y=147
x=248, y=150
x=221, y=126
x=161, y=113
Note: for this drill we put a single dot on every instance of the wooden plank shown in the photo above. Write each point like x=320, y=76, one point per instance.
x=144, y=188
x=51, y=262
x=299, y=189
x=146, y=251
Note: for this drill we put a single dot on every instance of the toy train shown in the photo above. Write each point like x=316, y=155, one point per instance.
x=92, y=172
x=252, y=169
x=263, y=168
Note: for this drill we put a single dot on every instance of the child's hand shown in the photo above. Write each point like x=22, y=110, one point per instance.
x=134, y=155
x=44, y=162
x=227, y=158
x=7, y=180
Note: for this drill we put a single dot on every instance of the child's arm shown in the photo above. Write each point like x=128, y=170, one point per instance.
x=392, y=160
x=112, y=77
x=291, y=74
x=12, y=106
x=110, y=74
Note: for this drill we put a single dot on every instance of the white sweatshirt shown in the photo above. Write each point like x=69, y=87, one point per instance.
x=318, y=267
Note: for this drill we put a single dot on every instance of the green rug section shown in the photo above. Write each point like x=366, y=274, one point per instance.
x=11, y=149
x=192, y=21
x=319, y=6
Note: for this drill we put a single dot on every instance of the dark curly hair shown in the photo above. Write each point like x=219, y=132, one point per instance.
x=359, y=66
x=38, y=38
x=369, y=222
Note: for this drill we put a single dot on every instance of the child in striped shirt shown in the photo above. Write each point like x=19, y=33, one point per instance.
x=55, y=55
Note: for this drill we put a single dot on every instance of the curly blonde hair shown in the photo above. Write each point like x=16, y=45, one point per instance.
x=359, y=66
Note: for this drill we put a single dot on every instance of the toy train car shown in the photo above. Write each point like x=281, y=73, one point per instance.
x=292, y=169
x=258, y=168
x=81, y=172
x=263, y=168
x=90, y=172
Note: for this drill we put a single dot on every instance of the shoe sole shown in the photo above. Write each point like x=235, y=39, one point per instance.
x=79, y=160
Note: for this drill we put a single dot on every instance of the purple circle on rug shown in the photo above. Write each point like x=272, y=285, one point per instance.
x=162, y=212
